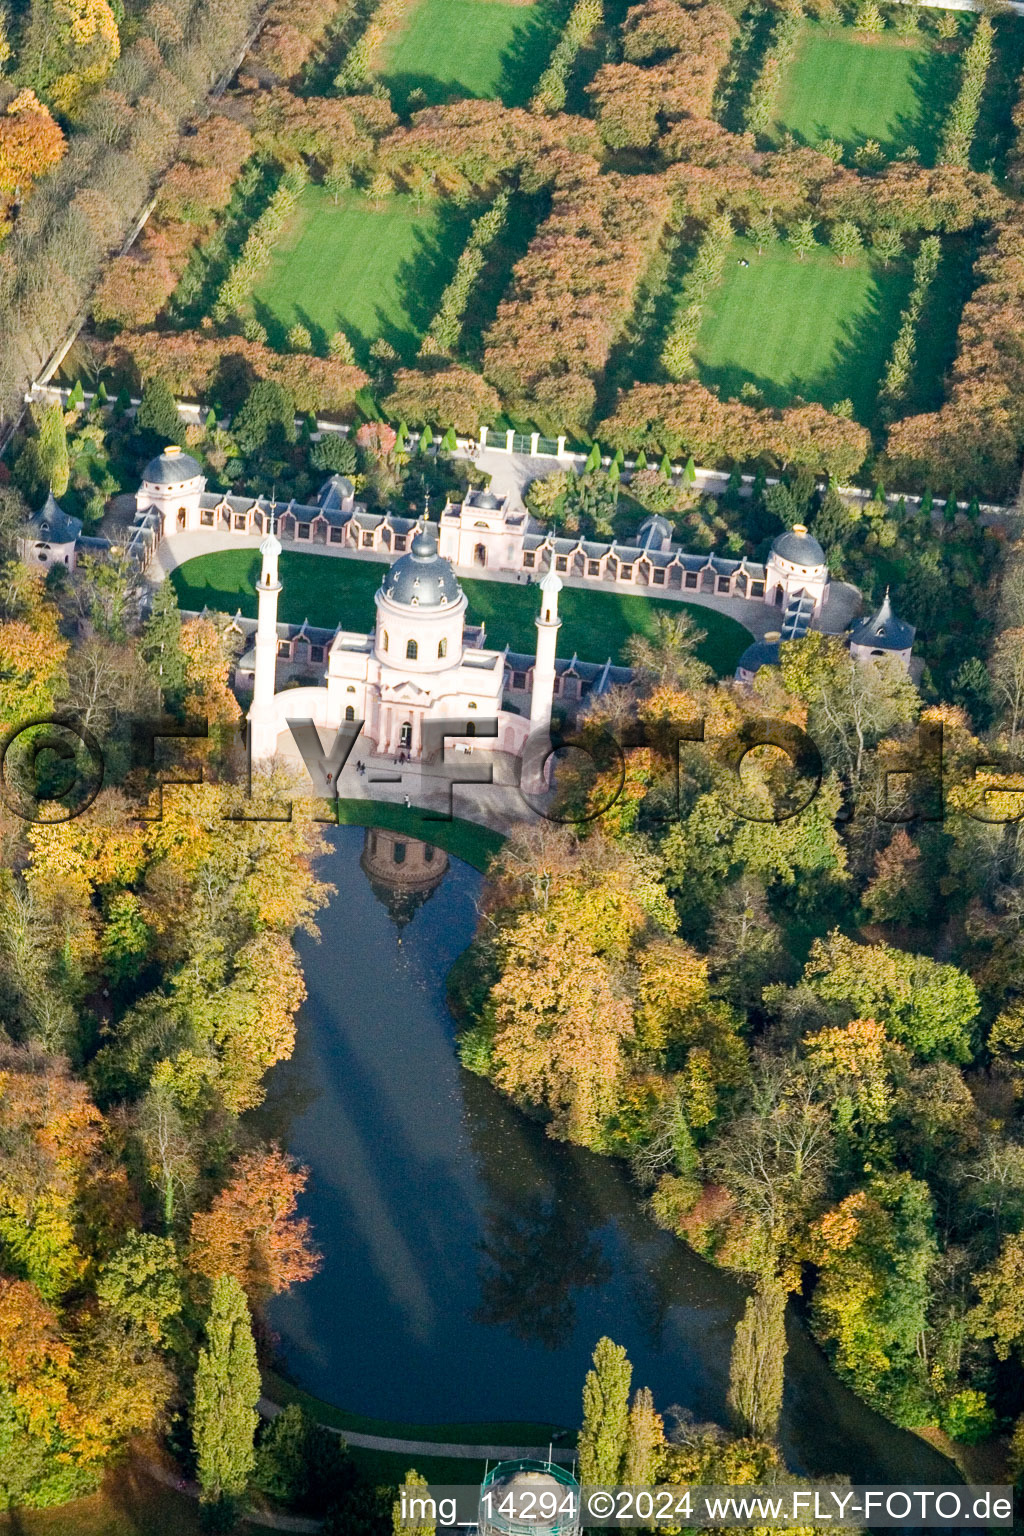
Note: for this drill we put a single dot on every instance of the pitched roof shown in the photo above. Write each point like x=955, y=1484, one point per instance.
x=884, y=631
x=53, y=524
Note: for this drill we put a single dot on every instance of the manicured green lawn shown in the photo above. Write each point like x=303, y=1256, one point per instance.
x=371, y=272
x=328, y=590
x=853, y=86
x=451, y=49
x=811, y=328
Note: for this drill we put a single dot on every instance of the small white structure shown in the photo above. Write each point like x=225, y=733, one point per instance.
x=483, y=531
x=422, y=663
x=796, y=572
x=50, y=537
x=883, y=635
x=173, y=485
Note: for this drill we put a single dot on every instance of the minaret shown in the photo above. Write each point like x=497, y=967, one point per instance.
x=542, y=698
x=262, y=721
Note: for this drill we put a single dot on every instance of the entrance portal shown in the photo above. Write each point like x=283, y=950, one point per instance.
x=405, y=736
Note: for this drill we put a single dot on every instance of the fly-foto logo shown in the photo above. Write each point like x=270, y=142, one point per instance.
x=52, y=767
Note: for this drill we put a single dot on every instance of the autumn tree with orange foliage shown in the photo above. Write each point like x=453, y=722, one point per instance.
x=31, y=143
x=252, y=1232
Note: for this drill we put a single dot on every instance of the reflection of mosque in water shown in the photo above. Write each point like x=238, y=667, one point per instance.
x=403, y=872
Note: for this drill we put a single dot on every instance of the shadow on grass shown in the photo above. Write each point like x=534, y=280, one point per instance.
x=423, y=277
x=995, y=131
x=526, y=56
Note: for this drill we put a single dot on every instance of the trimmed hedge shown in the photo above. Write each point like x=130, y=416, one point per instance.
x=764, y=93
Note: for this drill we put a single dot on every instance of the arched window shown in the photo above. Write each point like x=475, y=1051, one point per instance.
x=442, y=648
x=350, y=713
x=385, y=638
x=412, y=650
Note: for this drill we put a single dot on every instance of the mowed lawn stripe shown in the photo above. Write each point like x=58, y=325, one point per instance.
x=451, y=49
x=369, y=271
x=329, y=591
x=852, y=87
x=812, y=328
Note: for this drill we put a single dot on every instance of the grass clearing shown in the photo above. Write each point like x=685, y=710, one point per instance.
x=853, y=86
x=453, y=49
x=371, y=272
x=811, y=328
x=328, y=590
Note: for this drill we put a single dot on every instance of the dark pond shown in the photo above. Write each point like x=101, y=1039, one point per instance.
x=470, y=1263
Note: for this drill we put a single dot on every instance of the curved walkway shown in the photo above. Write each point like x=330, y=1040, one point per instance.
x=365, y=1442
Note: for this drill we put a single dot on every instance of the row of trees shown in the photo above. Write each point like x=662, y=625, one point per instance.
x=977, y=436
x=136, y=287
x=896, y=379
x=552, y=88
x=573, y=291
x=85, y=205
x=703, y=277
x=764, y=91
x=199, y=366
x=673, y=57
x=259, y=244
x=958, y=132
x=442, y=339
x=678, y=419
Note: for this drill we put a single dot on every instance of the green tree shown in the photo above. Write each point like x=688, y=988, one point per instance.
x=141, y=1285
x=604, y=1436
x=158, y=412
x=845, y=239
x=924, y=1004
x=227, y=1390
x=335, y=454
x=53, y=450
x=645, y=1436
x=888, y=244
x=763, y=231
x=426, y=1527
x=161, y=647
x=266, y=417
x=299, y=339
x=801, y=238
x=593, y=463
x=666, y=657
x=756, y=1367
x=340, y=348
